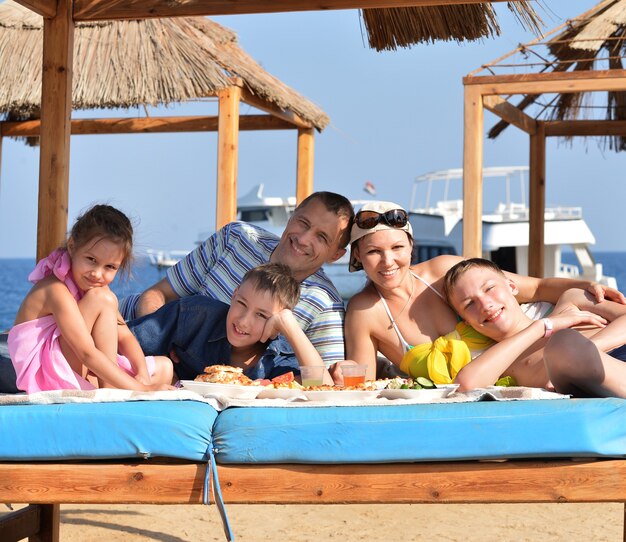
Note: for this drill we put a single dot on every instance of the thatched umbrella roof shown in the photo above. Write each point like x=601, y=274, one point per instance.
x=593, y=41
x=390, y=28
x=122, y=64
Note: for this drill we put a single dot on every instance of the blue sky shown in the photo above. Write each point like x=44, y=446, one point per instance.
x=394, y=115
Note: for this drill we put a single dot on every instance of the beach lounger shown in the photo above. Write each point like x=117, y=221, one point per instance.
x=161, y=451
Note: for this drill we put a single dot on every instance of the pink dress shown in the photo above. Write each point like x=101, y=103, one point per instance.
x=34, y=345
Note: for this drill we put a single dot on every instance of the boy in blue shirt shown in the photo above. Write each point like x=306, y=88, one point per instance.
x=243, y=334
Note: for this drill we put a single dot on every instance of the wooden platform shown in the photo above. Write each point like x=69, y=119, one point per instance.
x=47, y=485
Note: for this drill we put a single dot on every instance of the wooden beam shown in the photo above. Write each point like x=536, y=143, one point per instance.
x=304, y=174
x=93, y=10
x=21, y=524
x=268, y=107
x=569, y=128
x=511, y=114
x=227, y=156
x=537, y=199
x=553, y=82
x=56, y=111
x=45, y=8
x=172, y=482
x=30, y=128
x=473, y=173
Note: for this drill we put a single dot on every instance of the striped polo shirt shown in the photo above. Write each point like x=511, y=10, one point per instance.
x=218, y=265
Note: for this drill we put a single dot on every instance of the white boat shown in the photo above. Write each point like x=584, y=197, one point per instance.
x=505, y=230
x=165, y=258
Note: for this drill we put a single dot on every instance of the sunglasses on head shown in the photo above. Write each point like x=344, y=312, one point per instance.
x=396, y=218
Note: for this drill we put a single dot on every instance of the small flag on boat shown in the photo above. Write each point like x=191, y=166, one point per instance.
x=369, y=188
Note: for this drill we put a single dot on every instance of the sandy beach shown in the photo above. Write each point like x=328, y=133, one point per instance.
x=348, y=523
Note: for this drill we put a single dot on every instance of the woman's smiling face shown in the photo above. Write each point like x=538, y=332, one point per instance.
x=385, y=256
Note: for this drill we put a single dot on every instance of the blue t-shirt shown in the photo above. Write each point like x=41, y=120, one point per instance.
x=194, y=327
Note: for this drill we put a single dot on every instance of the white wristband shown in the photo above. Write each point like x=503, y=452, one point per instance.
x=548, y=326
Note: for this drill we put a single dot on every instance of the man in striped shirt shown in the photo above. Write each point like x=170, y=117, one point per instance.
x=317, y=233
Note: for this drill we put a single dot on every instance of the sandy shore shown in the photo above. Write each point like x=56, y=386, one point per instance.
x=346, y=523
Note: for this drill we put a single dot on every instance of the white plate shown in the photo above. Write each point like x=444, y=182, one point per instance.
x=341, y=396
x=423, y=396
x=226, y=390
x=269, y=392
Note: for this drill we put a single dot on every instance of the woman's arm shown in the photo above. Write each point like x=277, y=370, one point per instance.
x=551, y=289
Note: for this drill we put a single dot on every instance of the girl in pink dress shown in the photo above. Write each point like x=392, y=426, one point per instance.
x=68, y=332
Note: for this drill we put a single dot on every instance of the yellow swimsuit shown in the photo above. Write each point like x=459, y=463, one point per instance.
x=441, y=360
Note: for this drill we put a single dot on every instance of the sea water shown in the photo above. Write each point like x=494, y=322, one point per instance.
x=14, y=284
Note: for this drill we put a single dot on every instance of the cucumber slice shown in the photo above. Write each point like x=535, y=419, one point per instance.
x=425, y=382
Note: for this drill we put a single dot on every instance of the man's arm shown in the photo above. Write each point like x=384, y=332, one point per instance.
x=155, y=297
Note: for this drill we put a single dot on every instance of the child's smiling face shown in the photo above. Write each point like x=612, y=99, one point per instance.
x=95, y=263
x=249, y=311
x=486, y=301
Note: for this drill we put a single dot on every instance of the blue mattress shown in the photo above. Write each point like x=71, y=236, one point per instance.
x=436, y=432
x=347, y=434
x=137, y=429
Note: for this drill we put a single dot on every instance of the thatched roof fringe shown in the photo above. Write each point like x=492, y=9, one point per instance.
x=391, y=28
x=124, y=64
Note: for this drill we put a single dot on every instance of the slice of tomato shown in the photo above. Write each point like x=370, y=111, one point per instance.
x=264, y=382
x=284, y=378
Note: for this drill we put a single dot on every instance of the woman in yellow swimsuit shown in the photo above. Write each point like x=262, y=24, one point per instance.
x=401, y=313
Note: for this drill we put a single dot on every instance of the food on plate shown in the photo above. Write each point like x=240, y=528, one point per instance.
x=370, y=385
x=419, y=383
x=225, y=374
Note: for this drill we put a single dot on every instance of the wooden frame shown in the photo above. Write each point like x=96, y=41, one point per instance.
x=181, y=482
x=487, y=92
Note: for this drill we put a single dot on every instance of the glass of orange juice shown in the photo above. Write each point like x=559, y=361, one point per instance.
x=353, y=375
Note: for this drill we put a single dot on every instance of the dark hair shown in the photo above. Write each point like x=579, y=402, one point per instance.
x=277, y=279
x=335, y=203
x=457, y=270
x=105, y=222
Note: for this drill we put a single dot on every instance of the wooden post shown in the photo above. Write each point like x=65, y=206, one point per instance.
x=537, y=199
x=473, y=172
x=56, y=112
x=304, y=175
x=49, y=522
x=227, y=155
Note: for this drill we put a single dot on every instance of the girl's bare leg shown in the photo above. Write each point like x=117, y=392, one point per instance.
x=99, y=310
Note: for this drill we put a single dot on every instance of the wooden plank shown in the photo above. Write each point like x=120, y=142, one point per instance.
x=227, y=156
x=473, y=120
x=553, y=82
x=569, y=128
x=20, y=524
x=509, y=113
x=56, y=110
x=268, y=107
x=45, y=8
x=147, y=125
x=537, y=200
x=169, y=482
x=304, y=173
x=92, y=10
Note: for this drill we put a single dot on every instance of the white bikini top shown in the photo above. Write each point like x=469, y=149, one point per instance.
x=405, y=344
